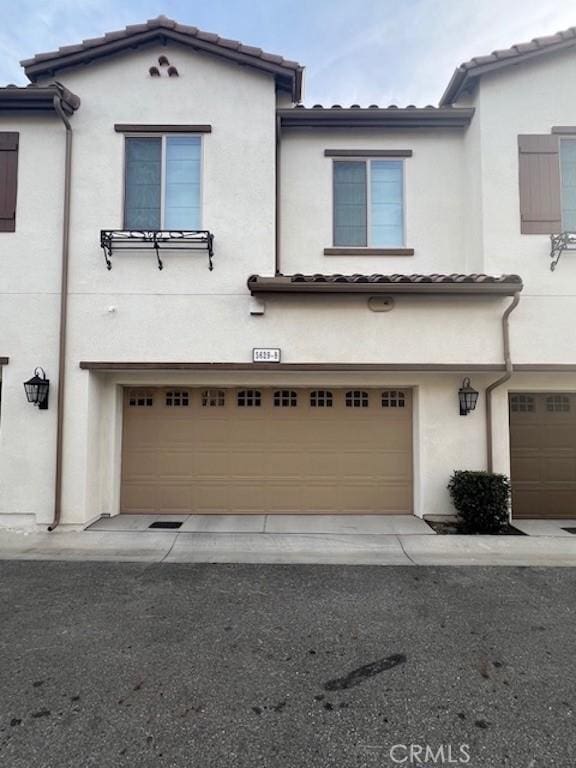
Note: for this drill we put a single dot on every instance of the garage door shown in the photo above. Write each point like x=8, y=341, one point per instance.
x=543, y=455
x=266, y=451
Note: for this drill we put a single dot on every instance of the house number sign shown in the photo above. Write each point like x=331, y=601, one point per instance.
x=265, y=355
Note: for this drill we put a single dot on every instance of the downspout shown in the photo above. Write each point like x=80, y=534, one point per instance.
x=63, y=315
x=498, y=382
x=277, y=195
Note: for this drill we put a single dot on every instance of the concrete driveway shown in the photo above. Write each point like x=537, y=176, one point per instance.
x=280, y=667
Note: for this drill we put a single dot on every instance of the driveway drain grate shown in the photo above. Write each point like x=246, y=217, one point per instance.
x=570, y=530
x=165, y=524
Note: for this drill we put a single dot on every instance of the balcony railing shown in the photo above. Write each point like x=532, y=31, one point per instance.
x=113, y=241
x=564, y=241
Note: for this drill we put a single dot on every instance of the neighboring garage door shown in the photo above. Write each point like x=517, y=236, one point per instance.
x=543, y=455
x=266, y=451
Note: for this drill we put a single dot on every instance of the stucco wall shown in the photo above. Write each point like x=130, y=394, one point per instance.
x=531, y=98
x=461, y=214
x=434, y=203
x=185, y=311
x=29, y=305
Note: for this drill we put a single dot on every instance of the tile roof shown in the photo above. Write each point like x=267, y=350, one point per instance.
x=516, y=54
x=396, y=283
x=374, y=116
x=111, y=42
x=37, y=98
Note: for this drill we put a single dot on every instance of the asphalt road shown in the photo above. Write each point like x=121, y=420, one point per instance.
x=211, y=665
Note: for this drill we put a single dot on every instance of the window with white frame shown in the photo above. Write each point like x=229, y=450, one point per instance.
x=162, y=182
x=369, y=203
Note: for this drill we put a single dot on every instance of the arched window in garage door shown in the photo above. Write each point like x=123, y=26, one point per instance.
x=393, y=398
x=141, y=398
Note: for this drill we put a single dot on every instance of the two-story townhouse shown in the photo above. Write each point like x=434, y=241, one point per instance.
x=244, y=305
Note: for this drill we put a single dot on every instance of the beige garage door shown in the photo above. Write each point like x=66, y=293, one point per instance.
x=543, y=455
x=266, y=451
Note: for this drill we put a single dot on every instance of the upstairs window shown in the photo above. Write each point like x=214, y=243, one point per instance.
x=369, y=203
x=568, y=176
x=162, y=184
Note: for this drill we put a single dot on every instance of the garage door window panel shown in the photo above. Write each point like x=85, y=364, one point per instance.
x=213, y=398
x=285, y=398
x=140, y=398
x=393, y=399
x=558, y=404
x=522, y=404
x=176, y=398
x=249, y=398
x=321, y=398
x=356, y=398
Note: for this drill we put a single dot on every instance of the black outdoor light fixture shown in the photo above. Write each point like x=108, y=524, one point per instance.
x=37, y=388
x=468, y=397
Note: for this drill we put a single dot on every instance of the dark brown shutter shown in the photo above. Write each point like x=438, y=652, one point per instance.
x=540, y=194
x=8, y=181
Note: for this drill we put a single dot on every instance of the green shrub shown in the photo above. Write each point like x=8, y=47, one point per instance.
x=481, y=500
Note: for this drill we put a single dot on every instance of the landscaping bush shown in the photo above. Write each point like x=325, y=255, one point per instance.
x=481, y=500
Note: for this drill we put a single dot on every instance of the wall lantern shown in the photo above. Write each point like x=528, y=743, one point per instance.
x=37, y=388
x=468, y=397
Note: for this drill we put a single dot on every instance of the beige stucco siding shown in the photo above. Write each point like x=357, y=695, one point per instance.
x=29, y=301
x=433, y=192
x=461, y=205
x=532, y=98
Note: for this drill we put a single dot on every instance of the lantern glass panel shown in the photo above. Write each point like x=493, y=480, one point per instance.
x=42, y=391
x=32, y=387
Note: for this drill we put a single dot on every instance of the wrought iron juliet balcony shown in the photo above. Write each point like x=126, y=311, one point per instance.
x=160, y=241
x=563, y=241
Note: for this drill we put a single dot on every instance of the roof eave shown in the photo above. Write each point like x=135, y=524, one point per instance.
x=283, y=285
x=470, y=72
x=454, y=88
x=371, y=117
x=39, y=99
x=287, y=77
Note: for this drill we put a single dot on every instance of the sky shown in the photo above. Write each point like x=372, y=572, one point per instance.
x=355, y=51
